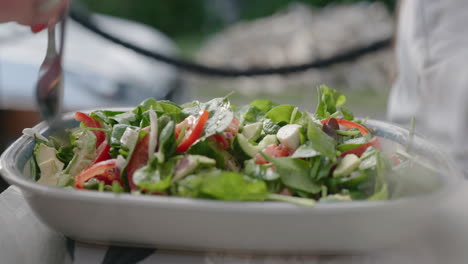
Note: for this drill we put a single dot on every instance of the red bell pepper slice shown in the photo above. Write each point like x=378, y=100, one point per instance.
x=93, y=123
x=362, y=148
x=139, y=159
x=348, y=124
x=102, y=153
x=193, y=131
x=105, y=171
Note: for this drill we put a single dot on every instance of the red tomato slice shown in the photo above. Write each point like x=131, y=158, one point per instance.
x=139, y=159
x=272, y=150
x=222, y=141
x=104, y=171
x=233, y=128
x=91, y=122
x=187, y=122
x=102, y=152
x=348, y=124
x=193, y=132
x=359, y=150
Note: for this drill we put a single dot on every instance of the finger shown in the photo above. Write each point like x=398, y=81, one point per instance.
x=51, y=11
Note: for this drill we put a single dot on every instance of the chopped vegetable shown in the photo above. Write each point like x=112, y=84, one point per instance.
x=262, y=151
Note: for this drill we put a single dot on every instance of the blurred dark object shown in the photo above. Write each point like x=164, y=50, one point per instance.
x=261, y=31
x=13, y=122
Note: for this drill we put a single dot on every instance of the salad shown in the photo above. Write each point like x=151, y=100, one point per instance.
x=217, y=150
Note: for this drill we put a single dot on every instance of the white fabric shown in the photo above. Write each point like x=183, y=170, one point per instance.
x=23, y=238
x=432, y=82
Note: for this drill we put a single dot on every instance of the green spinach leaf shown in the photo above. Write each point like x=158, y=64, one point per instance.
x=155, y=176
x=167, y=140
x=321, y=141
x=231, y=186
x=294, y=173
x=305, y=151
x=283, y=113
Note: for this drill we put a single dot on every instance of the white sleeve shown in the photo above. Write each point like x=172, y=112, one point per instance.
x=432, y=65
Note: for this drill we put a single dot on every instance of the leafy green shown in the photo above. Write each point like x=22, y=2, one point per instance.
x=209, y=149
x=190, y=186
x=321, y=141
x=320, y=168
x=189, y=164
x=164, y=107
x=155, y=176
x=368, y=159
x=351, y=144
x=65, y=180
x=354, y=180
x=92, y=184
x=261, y=172
x=283, y=113
x=221, y=117
x=256, y=110
x=167, y=140
x=382, y=194
x=220, y=111
x=34, y=169
x=117, y=133
x=222, y=185
x=305, y=151
x=105, y=116
x=251, y=114
x=270, y=127
x=347, y=114
x=139, y=116
x=231, y=186
x=294, y=173
x=328, y=101
x=84, y=151
x=65, y=154
x=116, y=187
x=262, y=104
x=381, y=188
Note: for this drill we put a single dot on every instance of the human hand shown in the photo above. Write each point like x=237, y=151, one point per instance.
x=35, y=13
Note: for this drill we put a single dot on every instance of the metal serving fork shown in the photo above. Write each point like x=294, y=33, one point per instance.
x=49, y=87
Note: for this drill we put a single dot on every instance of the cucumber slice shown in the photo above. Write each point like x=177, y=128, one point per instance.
x=267, y=140
x=352, y=143
x=244, y=148
x=347, y=165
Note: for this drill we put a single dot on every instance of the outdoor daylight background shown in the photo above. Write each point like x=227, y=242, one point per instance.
x=246, y=33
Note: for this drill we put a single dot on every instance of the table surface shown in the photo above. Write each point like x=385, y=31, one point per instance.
x=24, y=239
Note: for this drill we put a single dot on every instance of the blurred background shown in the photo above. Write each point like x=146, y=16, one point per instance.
x=235, y=34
